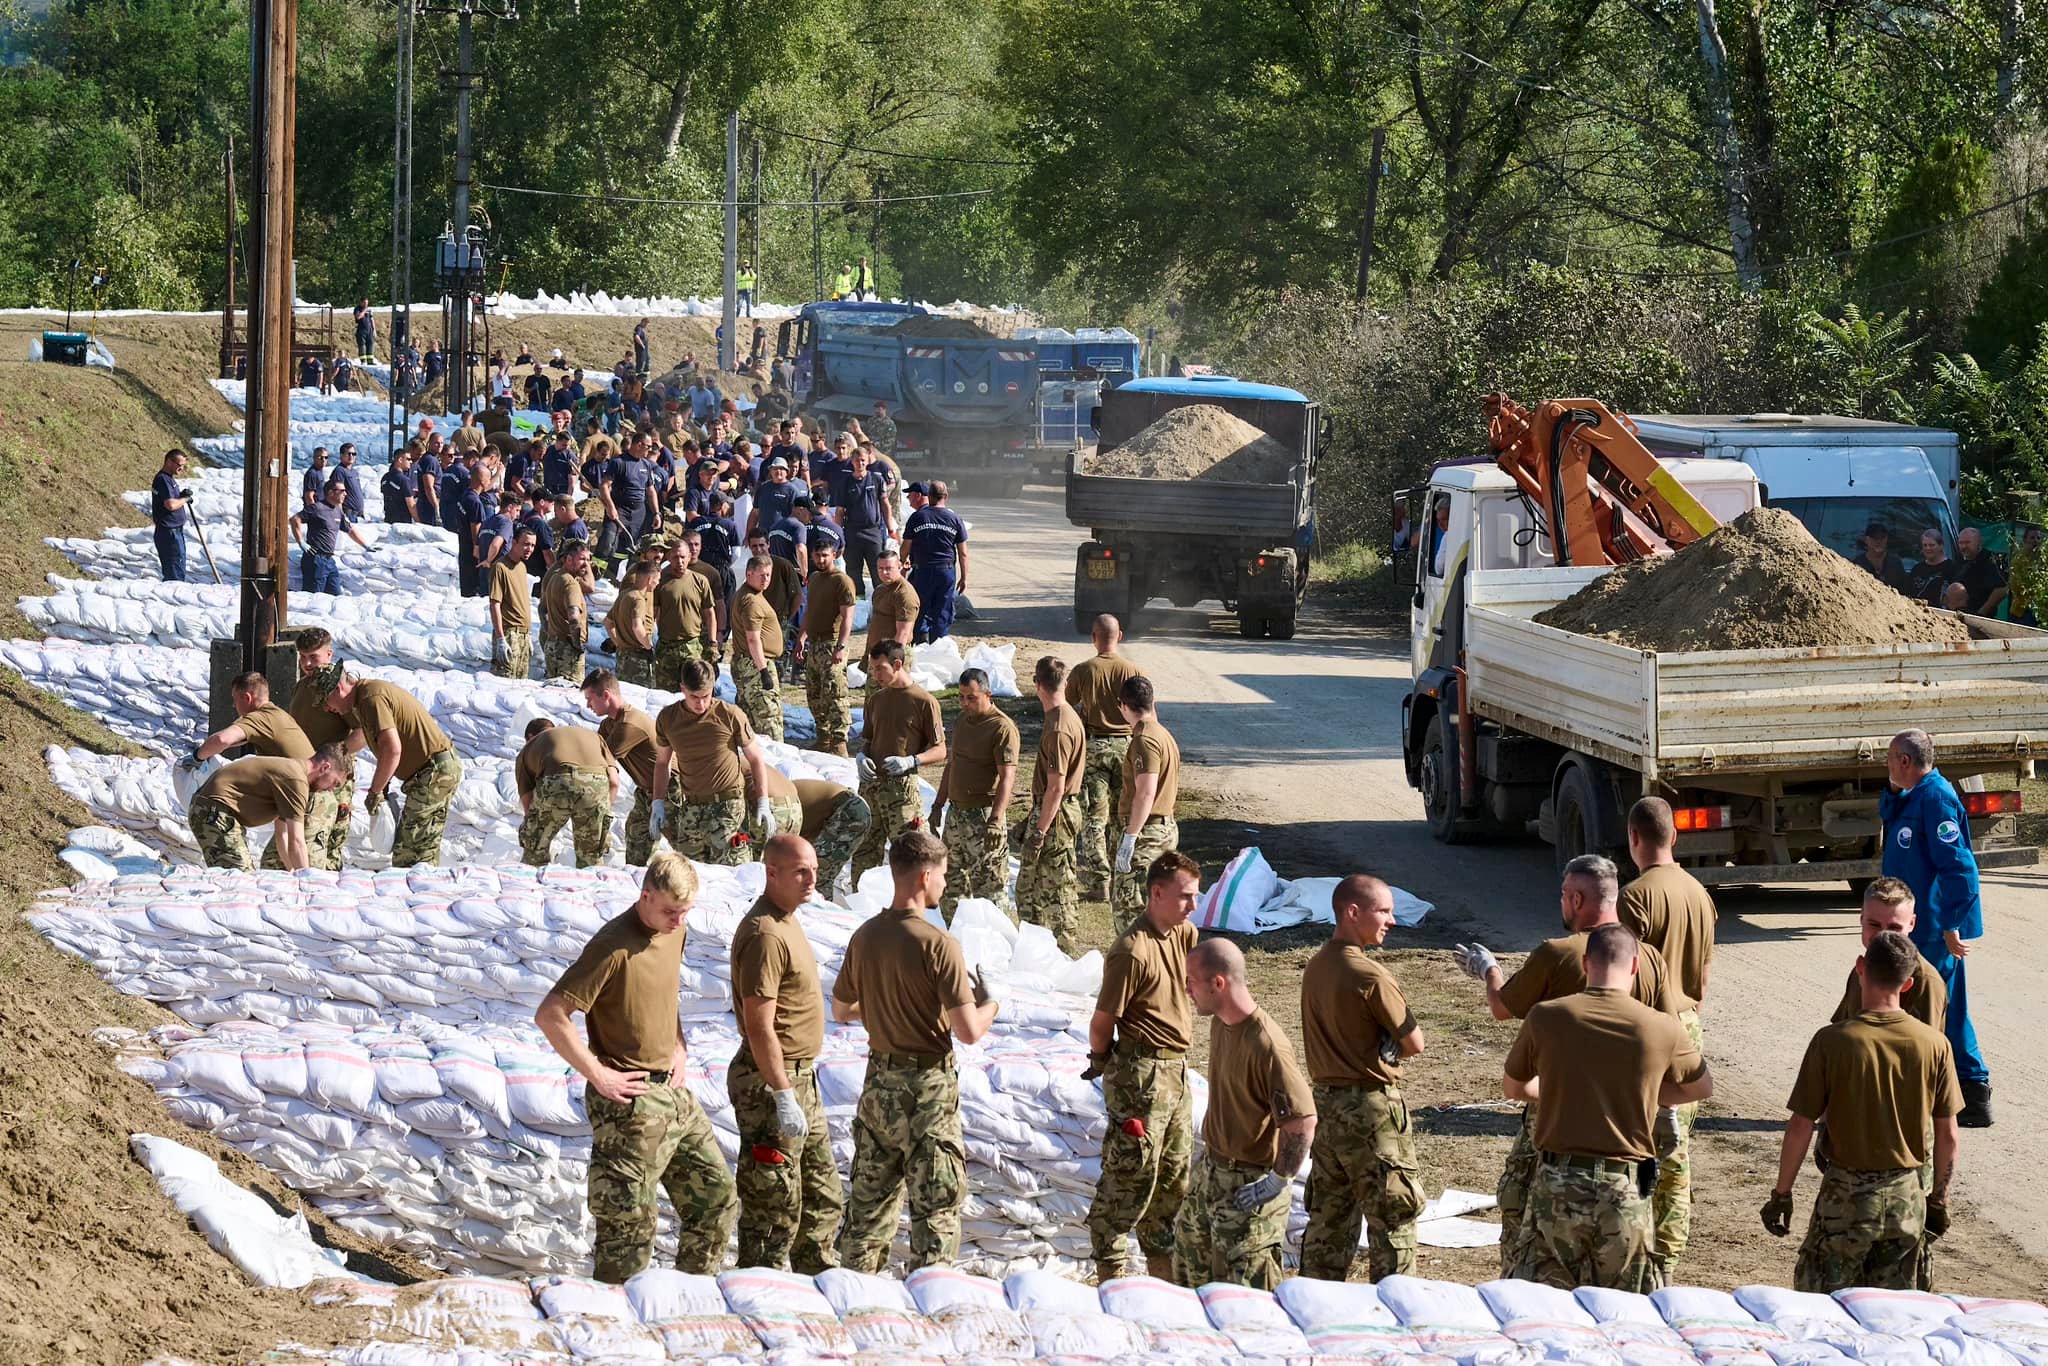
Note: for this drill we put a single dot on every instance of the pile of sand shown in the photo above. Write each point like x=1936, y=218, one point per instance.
x=1759, y=583
x=1198, y=441
x=938, y=328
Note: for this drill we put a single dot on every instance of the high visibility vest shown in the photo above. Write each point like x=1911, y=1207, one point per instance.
x=744, y=280
x=843, y=283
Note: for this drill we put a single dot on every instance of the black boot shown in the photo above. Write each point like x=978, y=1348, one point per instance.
x=1976, y=1111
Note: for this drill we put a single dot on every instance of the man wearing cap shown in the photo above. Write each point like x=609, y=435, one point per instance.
x=1878, y=558
x=827, y=626
x=323, y=523
x=262, y=791
x=409, y=745
x=938, y=561
x=757, y=649
x=774, y=497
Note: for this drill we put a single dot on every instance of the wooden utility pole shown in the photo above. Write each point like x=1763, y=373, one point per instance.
x=266, y=467
x=729, y=314
x=1372, y=209
x=227, y=308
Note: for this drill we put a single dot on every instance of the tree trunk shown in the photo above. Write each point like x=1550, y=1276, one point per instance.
x=678, y=108
x=2009, y=26
x=1766, y=192
x=1728, y=147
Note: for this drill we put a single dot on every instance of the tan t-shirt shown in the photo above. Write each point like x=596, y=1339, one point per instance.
x=1880, y=1080
x=627, y=982
x=629, y=735
x=321, y=726
x=560, y=749
x=1600, y=1056
x=1349, y=1002
x=685, y=609
x=378, y=707
x=273, y=734
x=706, y=747
x=1925, y=999
x=511, y=587
x=820, y=800
x=1145, y=985
x=785, y=587
x=1255, y=1087
x=714, y=582
x=561, y=598
x=1557, y=968
x=630, y=623
x=1668, y=908
x=1062, y=754
x=772, y=959
x=905, y=973
x=1152, y=750
x=1092, y=690
x=830, y=594
x=982, y=746
x=779, y=786
x=752, y=611
x=900, y=721
x=258, y=791
x=890, y=607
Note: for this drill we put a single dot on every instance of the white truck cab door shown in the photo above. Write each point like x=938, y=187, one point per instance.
x=1443, y=546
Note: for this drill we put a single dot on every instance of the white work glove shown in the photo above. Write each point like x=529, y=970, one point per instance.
x=897, y=765
x=657, y=817
x=789, y=1116
x=1125, y=847
x=1476, y=960
x=501, y=653
x=938, y=819
x=865, y=767
x=764, y=816
x=1253, y=1194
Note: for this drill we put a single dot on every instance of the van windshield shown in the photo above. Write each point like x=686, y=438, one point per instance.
x=1838, y=523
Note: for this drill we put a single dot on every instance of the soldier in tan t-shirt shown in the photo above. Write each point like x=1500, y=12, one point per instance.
x=901, y=732
x=1258, y=1128
x=835, y=820
x=508, y=591
x=1883, y=1081
x=1048, y=893
x=261, y=791
x=647, y=1132
x=827, y=627
x=327, y=823
x=892, y=610
x=708, y=741
x=409, y=746
x=757, y=649
x=1150, y=786
x=686, y=611
x=628, y=733
x=270, y=732
x=1138, y=1043
x=973, y=803
x=631, y=622
x=566, y=776
x=790, y=1196
x=906, y=981
x=565, y=613
x=1357, y=1028
x=1602, y=1064
x=1093, y=690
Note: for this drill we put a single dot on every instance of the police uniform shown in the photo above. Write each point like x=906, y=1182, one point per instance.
x=1149, y=1138
x=825, y=687
x=1927, y=846
x=709, y=823
x=248, y=792
x=629, y=735
x=1047, y=893
x=1092, y=690
x=1152, y=749
x=900, y=721
x=977, y=842
x=934, y=534
x=566, y=770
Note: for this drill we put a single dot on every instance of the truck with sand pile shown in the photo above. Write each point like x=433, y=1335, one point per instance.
x=1201, y=488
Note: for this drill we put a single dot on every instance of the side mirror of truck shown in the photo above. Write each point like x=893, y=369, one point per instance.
x=1095, y=417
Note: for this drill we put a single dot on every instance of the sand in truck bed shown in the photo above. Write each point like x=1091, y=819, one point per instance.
x=1198, y=441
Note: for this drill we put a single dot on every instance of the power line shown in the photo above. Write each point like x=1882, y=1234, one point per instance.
x=881, y=151
x=747, y=203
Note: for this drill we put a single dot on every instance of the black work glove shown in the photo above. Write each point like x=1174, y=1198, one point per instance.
x=1096, y=1062
x=981, y=997
x=1777, y=1214
x=1937, y=1219
x=767, y=677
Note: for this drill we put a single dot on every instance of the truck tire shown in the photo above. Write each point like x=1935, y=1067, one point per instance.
x=1281, y=628
x=1858, y=886
x=1084, y=623
x=1438, y=778
x=1578, y=820
x=1249, y=626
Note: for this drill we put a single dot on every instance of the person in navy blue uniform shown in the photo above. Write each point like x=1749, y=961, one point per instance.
x=351, y=478
x=462, y=512
x=1927, y=847
x=169, y=510
x=313, y=486
x=631, y=487
x=533, y=516
x=773, y=499
x=324, y=523
x=565, y=526
x=400, y=487
x=717, y=535
x=790, y=534
x=865, y=517
x=937, y=539
x=558, y=465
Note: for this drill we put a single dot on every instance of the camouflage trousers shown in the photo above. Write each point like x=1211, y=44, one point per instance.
x=428, y=793
x=1145, y=1154
x=1867, y=1229
x=562, y=659
x=892, y=809
x=1127, y=890
x=572, y=796
x=1363, y=1168
x=789, y=820
x=977, y=858
x=839, y=837
x=825, y=691
x=322, y=849
x=218, y=833
x=635, y=666
x=1100, y=780
x=761, y=701
x=1586, y=1226
x=906, y=1135
x=1511, y=1194
x=659, y=1140
x=1214, y=1240
x=790, y=1197
x=1671, y=1202
x=669, y=658
x=710, y=832
x=518, y=656
x=639, y=821
x=1047, y=892
x=335, y=838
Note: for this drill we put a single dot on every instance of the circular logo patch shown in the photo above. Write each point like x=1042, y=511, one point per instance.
x=1947, y=832
x=1905, y=837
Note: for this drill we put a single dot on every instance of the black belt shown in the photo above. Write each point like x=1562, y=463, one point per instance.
x=1146, y=1050
x=659, y=1078
x=916, y=1062
x=1617, y=1166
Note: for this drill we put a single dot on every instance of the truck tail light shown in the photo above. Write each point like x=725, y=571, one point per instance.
x=1991, y=803
x=1703, y=817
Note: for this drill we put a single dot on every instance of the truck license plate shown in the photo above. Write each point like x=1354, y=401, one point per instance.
x=1102, y=569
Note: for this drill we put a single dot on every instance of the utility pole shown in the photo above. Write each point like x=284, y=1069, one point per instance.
x=455, y=267
x=754, y=256
x=227, y=308
x=398, y=412
x=1372, y=209
x=731, y=311
x=266, y=466
x=817, y=236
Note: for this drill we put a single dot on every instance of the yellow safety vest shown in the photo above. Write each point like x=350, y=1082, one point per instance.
x=843, y=285
x=745, y=280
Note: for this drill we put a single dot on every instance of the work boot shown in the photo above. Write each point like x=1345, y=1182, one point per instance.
x=1976, y=1111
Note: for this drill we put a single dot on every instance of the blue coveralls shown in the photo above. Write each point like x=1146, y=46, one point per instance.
x=1927, y=846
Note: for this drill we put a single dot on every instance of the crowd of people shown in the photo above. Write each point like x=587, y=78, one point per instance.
x=1972, y=580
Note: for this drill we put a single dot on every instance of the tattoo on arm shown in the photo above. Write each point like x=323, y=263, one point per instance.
x=1293, y=1148
x=1943, y=1170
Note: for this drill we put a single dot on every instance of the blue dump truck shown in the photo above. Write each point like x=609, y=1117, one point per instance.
x=964, y=401
x=1243, y=544
x=1075, y=369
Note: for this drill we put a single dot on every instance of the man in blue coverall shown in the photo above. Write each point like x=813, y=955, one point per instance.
x=1927, y=846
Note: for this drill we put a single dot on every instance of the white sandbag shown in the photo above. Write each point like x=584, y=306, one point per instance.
x=1905, y=1312
x=1342, y=1318
x=1795, y=1313
x=1246, y=883
x=690, y=1314
x=879, y=1313
x=1176, y=1325
x=786, y=1311
x=270, y=1249
x=973, y=1310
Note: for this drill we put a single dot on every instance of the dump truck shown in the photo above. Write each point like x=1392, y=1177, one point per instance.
x=1193, y=540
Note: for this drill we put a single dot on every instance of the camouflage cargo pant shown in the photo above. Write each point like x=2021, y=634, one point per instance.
x=1145, y=1154
x=334, y=840
x=636, y=666
x=1127, y=890
x=1672, y=1200
x=1586, y=1226
x=839, y=837
x=563, y=659
x=789, y=820
x=1867, y=1229
x=977, y=858
x=572, y=796
x=825, y=691
x=1048, y=893
x=711, y=832
x=790, y=1197
x=1362, y=1168
x=518, y=656
x=1511, y=1194
x=218, y=833
x=660, y=1140
x=1214, y=1240
x=669, y=658
x=428, y=793
x=762, y=702
x=892, y=809
x=639, y=821
x=321, y=849
x=1100, y=780
x=906, y=1135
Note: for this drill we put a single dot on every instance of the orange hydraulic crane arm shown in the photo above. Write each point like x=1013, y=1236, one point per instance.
x=1607, y=498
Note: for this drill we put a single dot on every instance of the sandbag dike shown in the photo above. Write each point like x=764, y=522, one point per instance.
x=1760, y=582
x=1199, y=441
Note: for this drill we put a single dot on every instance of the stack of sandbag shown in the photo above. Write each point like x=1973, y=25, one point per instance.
x=400, y=559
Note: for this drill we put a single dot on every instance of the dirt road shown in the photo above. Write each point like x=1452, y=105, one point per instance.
x=1304, y=735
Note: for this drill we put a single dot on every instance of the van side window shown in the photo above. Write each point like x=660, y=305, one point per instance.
x=1434, y=555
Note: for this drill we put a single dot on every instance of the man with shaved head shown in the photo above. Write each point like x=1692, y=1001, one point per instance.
x=1093, y=687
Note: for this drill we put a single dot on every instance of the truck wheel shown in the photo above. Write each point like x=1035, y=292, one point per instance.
x=1084, y=623
x=1437, y=776
x=1858, y=886
x=1577, y=805
x=1281, y=628
x=1249, y=626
